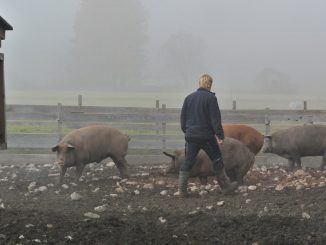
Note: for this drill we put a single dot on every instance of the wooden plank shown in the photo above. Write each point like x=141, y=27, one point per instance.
x=46, y=141
x=2, y=33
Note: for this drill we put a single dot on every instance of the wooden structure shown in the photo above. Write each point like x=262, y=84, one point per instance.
x=4, y=26
x=152, y=130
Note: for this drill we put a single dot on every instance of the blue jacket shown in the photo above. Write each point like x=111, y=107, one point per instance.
x=201, y=116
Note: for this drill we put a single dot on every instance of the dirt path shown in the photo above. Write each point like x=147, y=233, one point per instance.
x=144, y=210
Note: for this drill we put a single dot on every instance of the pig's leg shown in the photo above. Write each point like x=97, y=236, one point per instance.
x=231, y=173
x=298, y=161
x=291, y=163
x=79, y=171
x=323, y=163
x=122, y=165
x=238, y=176
x=239, y=179
x=203, y=180
x=62, y=174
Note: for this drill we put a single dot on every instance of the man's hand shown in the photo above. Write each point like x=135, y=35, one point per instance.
x=219, y=141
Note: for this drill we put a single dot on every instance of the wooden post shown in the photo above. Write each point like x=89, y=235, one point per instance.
x=267, y=122
x=4, y=26
x=157, y=104
x=163, y=128
x=3, y=136
x=305, y=105
x=80, y=101
x=234, y=105
x=59, y=120
x=157, y=113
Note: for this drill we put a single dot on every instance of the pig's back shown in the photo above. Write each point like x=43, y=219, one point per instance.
x=249, y=136
x=236, y=153
x=308, y=140
x=99, y=140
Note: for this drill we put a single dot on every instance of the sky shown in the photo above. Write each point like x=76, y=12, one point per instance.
x=246, y=45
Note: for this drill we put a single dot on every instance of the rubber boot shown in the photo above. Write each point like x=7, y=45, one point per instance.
x=183, y=183
x=223, y=180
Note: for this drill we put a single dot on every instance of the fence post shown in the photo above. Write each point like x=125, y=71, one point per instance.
x=80, y=101
x=157, y=112
x=59, y=120
x=305, y=105
x=164, y=128
x=267, y=122
x=234, y=105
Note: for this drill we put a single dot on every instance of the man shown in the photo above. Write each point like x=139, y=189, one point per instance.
x=201, y=123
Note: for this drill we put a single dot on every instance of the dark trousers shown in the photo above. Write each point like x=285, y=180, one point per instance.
x=210, y=146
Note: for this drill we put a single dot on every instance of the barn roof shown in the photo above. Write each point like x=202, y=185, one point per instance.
x=4, y=24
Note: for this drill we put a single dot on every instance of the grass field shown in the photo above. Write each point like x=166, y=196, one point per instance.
x=171, y=99
x=26, y=128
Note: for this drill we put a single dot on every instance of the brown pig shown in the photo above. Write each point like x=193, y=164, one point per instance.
x=92, y=144
x=249, y=136
x=238, y=159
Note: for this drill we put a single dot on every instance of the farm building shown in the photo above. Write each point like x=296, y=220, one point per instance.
x=4, y=26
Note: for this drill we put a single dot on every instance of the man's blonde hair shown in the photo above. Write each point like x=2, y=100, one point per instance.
x=205, y=81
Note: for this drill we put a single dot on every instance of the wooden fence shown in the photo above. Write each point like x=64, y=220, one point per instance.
x=156, y=128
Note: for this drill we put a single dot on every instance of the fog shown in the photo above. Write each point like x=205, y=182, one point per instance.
x=248, y=46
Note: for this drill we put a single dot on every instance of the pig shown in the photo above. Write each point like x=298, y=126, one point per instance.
x=92, y=144
x=296, y=142
x=238, y=159
x=249, y=136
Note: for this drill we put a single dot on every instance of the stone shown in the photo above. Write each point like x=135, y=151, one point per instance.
x=110, y=164
x=102, y=208
x=305, y=215
x=160, y=182
x=252, y=187
x=203, y=192
x=41, y=189
x=279, y=187
x=148, y=186
x=220, y=203
x=91, y=215
x=119, y=190
x=31, y=186
x=299, y=173
x=164, y=193
x=162, y=220
x=131, y=183
x=75, y=196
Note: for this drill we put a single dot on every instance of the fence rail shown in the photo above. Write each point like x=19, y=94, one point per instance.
x=40, y=126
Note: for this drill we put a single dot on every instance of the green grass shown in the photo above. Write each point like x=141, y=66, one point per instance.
x=52, y=129
x=30, y=129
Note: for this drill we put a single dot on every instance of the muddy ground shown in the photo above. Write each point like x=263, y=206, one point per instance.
x=279, y=207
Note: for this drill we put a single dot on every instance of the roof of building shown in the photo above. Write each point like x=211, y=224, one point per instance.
x=5, y=24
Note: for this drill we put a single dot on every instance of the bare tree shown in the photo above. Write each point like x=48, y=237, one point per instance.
x=109, y=45
x=274, y=81
x=182, y=57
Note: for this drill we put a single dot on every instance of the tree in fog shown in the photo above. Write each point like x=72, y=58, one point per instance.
x=108, y=50
x=274, y=81
x=182, y=58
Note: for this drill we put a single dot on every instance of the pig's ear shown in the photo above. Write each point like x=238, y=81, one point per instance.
x=168, y=154
x=71, y=147
x=55, y=148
